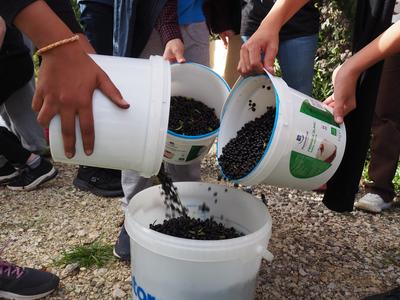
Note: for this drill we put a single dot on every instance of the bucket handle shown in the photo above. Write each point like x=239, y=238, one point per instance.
x=268, y=256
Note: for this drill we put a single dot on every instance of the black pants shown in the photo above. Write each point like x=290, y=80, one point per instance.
x=11, y=148
x=98, y=21
x=385, y=145
x=372, y=18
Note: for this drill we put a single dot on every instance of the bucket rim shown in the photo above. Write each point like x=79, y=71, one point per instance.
x=214, y=132
x=277, y=107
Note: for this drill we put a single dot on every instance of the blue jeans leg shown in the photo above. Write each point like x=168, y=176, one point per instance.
x=296, y=58
x=97, y=20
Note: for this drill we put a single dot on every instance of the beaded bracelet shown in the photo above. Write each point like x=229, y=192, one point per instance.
x=57, y=44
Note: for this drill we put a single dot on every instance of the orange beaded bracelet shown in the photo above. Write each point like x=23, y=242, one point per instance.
x=57, y=44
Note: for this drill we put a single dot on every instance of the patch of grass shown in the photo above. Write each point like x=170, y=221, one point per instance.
x=95, y=254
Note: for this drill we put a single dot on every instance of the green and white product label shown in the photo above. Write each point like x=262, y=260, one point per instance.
x=183, y=152
x=315, y=142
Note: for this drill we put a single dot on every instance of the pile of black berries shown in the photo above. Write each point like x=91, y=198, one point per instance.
x=196, y=229
x=191, y=117
x=241, y=154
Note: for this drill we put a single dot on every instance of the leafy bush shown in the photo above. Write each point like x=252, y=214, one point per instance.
x=333, y=47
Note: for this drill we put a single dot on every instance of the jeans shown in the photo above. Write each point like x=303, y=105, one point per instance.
x=296, y=59
x=98, y=21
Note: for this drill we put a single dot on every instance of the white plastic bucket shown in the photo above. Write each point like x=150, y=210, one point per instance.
x=131, y=139
x=171, y=268
x=306, y=145
x=203, y=84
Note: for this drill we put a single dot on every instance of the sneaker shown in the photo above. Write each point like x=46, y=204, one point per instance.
x=390, y=295
x=25, y=283
x=122, y=248
x=7, y=173
x=30, y=178
x=372, y=203
x=101, y=182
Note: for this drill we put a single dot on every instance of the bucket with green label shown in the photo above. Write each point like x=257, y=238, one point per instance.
x=306, y=145
x=196, y=81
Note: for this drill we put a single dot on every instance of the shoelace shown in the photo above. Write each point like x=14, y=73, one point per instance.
x=8, y=269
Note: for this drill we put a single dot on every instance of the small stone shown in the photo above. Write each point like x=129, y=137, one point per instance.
x=302, y=272
x=70, y=270
x=118, y=293
x=331, y=286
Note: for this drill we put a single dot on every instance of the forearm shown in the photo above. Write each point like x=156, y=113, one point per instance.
x=281, y=12
x=30, y=20
x=387, y=44
x=2, y=31
x=167, y=22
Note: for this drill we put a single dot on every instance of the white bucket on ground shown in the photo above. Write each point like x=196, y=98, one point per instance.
x=306, y=145
x=131, y=139
x=170, y=268
x=203, y=84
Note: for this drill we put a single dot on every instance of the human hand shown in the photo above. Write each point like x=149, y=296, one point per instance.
x=85, y=44
x=3, y=30
x=225, y=36
x=66, y=82
x=263, y=41
x=174, y=50
x=343, y=99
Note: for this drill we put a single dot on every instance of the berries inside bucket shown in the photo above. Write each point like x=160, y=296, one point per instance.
x=191, y=117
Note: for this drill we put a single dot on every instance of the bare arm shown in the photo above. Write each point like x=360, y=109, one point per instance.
x=67, y=77
x=266, y=38
x=3, y=29
x=345, y=77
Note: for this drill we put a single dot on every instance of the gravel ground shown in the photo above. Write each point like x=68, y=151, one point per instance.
x=319, y=254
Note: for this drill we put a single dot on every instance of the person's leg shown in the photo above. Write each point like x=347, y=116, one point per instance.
x=385, y=145
x=296, y=59
x=197, y=46
x=37, y=171
x=132, y=182
x=97, y=20
x=18, y=110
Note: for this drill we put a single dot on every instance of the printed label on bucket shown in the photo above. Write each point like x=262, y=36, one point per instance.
x=183, y=152
x=139, y=292
x=316, y=140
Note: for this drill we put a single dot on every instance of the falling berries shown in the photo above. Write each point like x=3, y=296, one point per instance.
x=191, y=117
x=242, y=153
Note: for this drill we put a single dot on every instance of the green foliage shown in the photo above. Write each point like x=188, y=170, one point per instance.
x=75, y=7
x=333, y=47
x=94, y=254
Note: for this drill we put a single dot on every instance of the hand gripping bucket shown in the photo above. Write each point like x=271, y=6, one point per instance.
x=203, y=84
x=169, y=268
x=131, y=139
x=306, y=145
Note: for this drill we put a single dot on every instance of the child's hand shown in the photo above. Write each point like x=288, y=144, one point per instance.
x=225, y=36
x=343, y=99
x=174, y=50
x=264, y=40
x=66, y=82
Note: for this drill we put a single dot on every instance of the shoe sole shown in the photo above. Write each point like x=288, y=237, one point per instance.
x=8, y=178
x=87, y=187
x=121, y=258
x=369, y=207
x=33, y=185
x=13, y=296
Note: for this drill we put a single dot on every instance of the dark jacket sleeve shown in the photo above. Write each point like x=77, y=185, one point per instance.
x=222, y=15
x=10, y=8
